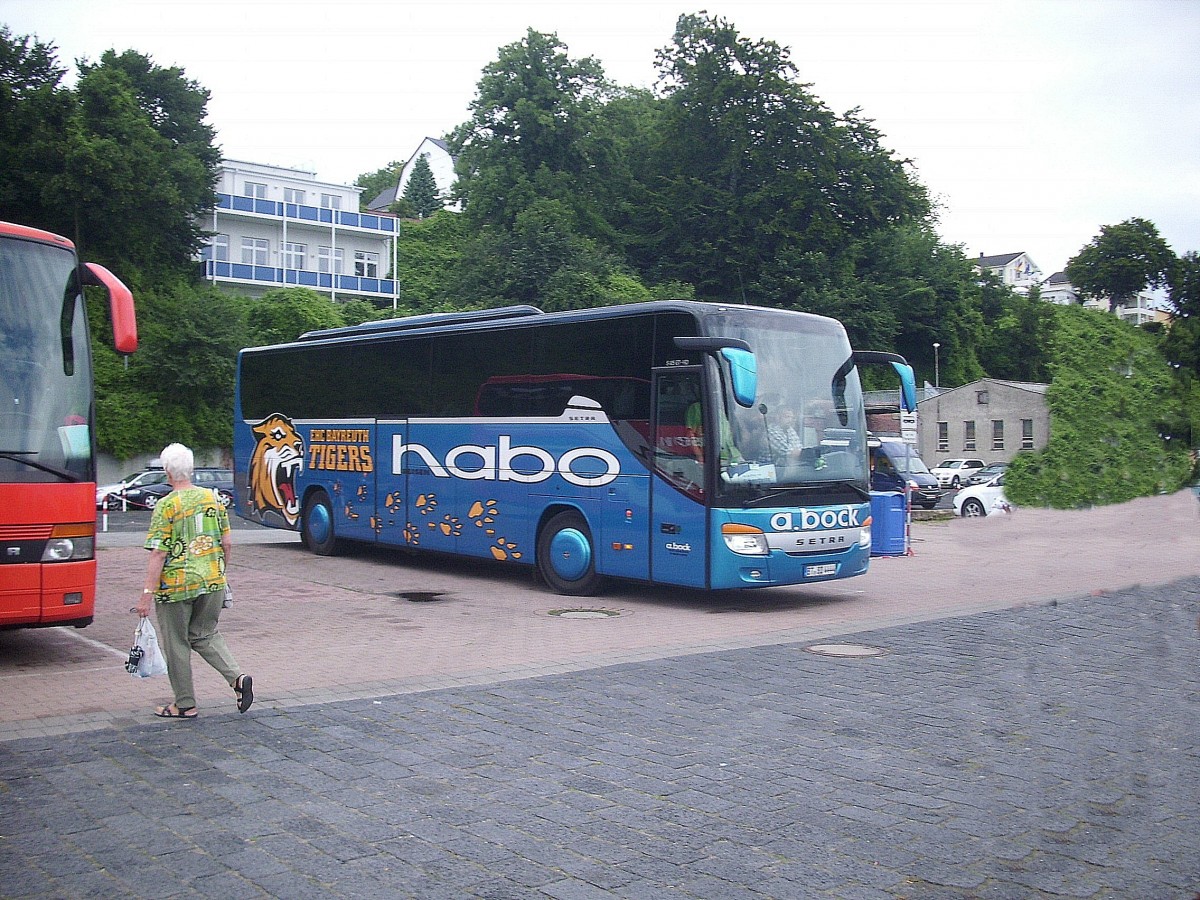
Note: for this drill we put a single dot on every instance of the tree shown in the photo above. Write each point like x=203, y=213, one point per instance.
x=123, y=163
x=421, y=191
x=1112, y=411
x=749, y=167
x=1121, y=261
x=530, y=134
x=375, y=183
x=284, y=314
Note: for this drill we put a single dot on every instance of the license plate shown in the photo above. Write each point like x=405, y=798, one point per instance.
x=818, y=571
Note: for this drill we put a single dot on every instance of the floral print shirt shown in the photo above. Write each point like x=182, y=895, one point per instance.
x=188, y=525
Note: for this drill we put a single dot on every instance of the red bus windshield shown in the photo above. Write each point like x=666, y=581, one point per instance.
x=45, y=366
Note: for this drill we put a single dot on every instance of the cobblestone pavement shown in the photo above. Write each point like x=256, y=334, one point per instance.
x=1045, y=751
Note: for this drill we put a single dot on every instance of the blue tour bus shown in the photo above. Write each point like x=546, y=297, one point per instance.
x=629, y=441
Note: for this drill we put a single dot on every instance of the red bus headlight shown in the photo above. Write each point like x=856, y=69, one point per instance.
x=70, y=543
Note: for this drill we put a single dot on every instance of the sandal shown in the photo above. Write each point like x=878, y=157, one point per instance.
x=243, y=689
x=171, y=711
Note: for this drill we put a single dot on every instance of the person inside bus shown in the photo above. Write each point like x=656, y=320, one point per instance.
x=730, y=455
x=189, y=542
x=785, y=441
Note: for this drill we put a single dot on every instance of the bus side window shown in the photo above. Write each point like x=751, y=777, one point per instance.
x=679, y=445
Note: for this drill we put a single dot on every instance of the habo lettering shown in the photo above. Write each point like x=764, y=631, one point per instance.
x=475, y=462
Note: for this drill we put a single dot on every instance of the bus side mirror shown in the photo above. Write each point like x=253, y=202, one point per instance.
x=120, y=304
x=908, y=386
x=743, y=371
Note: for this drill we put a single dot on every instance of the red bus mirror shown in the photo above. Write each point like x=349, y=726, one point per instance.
x=120, y=304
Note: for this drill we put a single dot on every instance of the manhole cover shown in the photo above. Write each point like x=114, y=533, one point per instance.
x=420, y=596
x=584, y=613
x=845, y=650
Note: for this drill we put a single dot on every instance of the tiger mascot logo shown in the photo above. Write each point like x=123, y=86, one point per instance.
x=277, y=459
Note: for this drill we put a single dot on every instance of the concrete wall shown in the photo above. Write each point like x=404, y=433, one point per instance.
x=110, y=469
x=983, y=402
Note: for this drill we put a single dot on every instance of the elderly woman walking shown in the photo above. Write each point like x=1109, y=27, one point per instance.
x=189, y=542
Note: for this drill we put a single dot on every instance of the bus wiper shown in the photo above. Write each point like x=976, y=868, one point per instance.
x=765, y=499
x=16, y=456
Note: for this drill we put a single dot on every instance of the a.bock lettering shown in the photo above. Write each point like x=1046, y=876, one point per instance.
x=813, y=519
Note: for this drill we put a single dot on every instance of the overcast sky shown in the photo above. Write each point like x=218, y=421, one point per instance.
x=1032, y=122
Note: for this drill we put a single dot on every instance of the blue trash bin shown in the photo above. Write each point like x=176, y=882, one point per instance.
x=889, y=532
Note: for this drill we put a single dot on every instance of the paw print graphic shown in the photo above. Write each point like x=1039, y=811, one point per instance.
x=393, y=501
x=426, y=503
x=483, y=513
x=376, y=524
x=504, y=549
x=350, y=513
x=411, y=534
x=361, y=493
x=449, y=526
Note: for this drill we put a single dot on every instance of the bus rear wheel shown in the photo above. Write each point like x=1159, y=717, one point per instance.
x=317, y=525
x=565, y=556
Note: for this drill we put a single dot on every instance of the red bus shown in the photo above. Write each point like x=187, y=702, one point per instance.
x=47, y=433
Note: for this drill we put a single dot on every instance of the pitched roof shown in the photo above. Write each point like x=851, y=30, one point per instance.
x=992, y=262
x=384, y=198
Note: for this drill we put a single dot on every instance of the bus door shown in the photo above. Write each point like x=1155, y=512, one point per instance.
x=393, y=519
x=678, y=493
x=350, y=452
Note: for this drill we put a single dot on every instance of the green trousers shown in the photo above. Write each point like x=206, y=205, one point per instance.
x=187, y=625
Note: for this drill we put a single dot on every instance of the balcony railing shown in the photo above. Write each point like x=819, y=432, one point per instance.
x=318, y=215
x=318, y=281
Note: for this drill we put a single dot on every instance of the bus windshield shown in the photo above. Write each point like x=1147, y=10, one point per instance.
x=45, y=366
x=807, y=427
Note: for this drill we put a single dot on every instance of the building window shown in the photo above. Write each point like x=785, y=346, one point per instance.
x=968, y=435
x=293, y=195
x=366, y=265
x=1027, y=434
x=943, y=437
x=324, y=255
x=331, y=201
x=293, y=255
x=981, y=397
x=220, y=247
x=256, y=190
x=255, y=251
x=997, y=434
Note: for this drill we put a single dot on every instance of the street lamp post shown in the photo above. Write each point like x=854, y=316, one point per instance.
x=937, y=376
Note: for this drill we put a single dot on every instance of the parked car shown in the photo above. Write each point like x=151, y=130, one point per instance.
x=987, y=473
x=982, y=499
x=953, y=473
x=147, y=496
x=132, y=481
x=896, y=465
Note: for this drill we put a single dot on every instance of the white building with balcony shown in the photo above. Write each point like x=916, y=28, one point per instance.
x=277, y=227
x=1143, y=308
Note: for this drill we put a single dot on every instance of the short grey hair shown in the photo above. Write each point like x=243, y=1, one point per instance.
x=179, y=462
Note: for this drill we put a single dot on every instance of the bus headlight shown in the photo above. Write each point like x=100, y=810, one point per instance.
x=70, y=542
x=864, y=535
x=745, y=540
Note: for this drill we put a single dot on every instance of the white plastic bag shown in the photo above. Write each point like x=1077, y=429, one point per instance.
x=145, y=659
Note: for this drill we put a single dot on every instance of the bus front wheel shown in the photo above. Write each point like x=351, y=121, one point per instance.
x=317, y=525
x=565, y=556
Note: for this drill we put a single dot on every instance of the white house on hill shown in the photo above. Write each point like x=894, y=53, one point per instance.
x=1016, y=270
x=441, y=163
